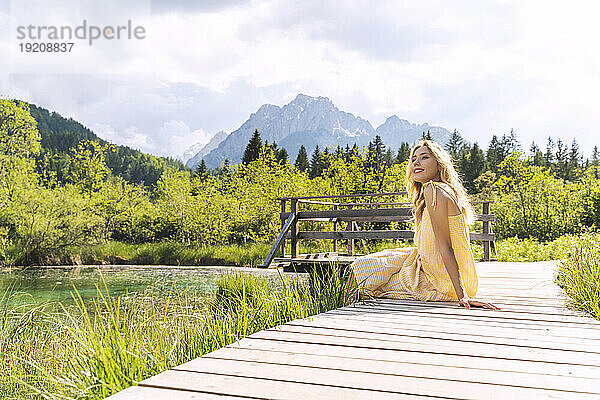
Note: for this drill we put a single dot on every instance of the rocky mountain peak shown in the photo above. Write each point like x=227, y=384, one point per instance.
x=308, y=121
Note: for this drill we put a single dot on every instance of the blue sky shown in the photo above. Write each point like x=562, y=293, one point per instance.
x=482, y=67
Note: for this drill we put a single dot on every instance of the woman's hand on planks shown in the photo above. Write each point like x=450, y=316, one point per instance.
x=468, y=303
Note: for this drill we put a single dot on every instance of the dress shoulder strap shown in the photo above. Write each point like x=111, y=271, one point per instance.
x=441, y=185
x=434, y=186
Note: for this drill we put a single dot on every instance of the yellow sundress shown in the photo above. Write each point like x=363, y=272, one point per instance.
x=418, y=273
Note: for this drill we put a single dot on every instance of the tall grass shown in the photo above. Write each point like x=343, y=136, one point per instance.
x=252, y=254
x=530, y=249
x=579, y=277
x=172, y=253
x=99, y=347
x=25, y=330
x=165, y=253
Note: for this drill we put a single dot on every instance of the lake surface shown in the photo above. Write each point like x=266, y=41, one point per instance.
x=57, y=283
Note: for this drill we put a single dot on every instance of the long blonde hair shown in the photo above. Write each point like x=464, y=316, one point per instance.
x=447, y=174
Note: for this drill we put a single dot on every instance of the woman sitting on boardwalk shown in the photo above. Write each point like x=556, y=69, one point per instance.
x=441, y=266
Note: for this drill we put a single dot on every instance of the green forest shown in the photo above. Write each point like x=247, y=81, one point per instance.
x=62, y=188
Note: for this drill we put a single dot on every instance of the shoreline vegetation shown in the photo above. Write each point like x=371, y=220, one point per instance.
x=250, y=255
x=101, y=346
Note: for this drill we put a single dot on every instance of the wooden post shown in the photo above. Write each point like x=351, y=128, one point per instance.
x=283, y=223
x=350, y=241
x=294, y=229
x=335, y=229
x=486, y=230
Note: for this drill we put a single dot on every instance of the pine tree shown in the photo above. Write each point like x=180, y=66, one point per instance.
x=282, y=156
x=549, y=154
x=388, y=158
x=315, y=163
x=339, y=152
x=302, y=159
x=595, y=157
x=370, y=156
x=494, y=155
x=253, y=148
x=403, y=153
x=325, y=159
x=461, y=162
x=562, y=160
x=347, y=153
x=379, y=149
x=510, y=143
x=537, y=157
x=225, y=170
x=454, y=144
x=574, y=162
x=427, y=136
x=201, y=170
x=473, y=165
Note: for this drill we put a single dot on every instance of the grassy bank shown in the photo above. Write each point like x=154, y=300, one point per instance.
x=531, y=250
x=252, y=254
x=579, y=277
x=169, y=253
x=162, y=253
x=99, y=347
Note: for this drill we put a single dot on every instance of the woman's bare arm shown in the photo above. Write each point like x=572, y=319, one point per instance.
x=441, y=230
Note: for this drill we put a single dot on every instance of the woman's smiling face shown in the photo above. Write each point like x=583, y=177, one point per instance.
x=424, y=166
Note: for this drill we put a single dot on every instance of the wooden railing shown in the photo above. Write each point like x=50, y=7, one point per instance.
x=348, y=212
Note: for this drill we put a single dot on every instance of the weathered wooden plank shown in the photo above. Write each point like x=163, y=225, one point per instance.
x=516, y=317
x=512, y=347
x=353, y=213
x=376, y=234
x=379, y=383
x=475, y=324
x=535, y=315
x=345, y=196
x=421, y=358
x=506, y=306
x=550, y=327
x=493, y=336
x=451, y=373
x=516, y=306
x=472, y=323
x=359, y=313
x=333, y=215
x=152, y=393
x=254, y=384
x=522, y=301
x=439, y=346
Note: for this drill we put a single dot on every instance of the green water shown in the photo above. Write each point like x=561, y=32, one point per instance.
x=46, y=284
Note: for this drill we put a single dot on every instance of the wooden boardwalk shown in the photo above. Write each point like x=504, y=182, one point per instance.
x=390, y=349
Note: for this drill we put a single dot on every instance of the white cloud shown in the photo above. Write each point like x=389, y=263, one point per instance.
x=176, y=135
x=130, y=136
x=480, y=67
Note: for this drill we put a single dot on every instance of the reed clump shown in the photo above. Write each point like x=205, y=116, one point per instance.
x=579, y=277
x=102, y=345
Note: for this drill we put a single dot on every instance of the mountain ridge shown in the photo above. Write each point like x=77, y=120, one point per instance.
x=311, y=121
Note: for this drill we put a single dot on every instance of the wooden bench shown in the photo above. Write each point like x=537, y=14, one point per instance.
x=352, y=213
